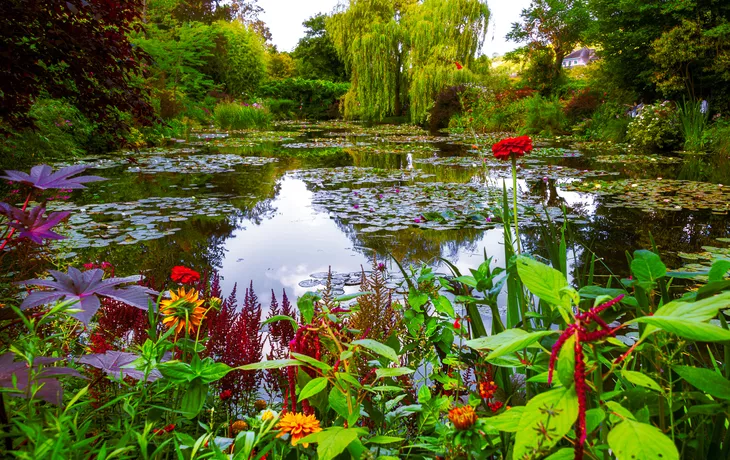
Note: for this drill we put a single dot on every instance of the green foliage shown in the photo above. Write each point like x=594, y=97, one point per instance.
x=233, y=115
x=280, y=66
x=313, y=99
x=240, y=57
x=315, y=55
x=543, y=116
x=656, y=127
x=694, y=123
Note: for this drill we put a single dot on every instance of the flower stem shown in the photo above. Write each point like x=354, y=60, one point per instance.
x=514, y=201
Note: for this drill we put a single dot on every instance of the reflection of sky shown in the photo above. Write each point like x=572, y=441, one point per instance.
x=287, y=248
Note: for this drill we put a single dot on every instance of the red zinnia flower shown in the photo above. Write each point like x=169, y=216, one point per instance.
x=457, y=324
x=184, y=275
x=458, y=66
x=504, y=149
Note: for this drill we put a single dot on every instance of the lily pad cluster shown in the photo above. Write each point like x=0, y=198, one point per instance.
x=701, y=262
x=637, y=159
x=665, y=194
x=437, y=206
x=352, y=175
x=195, y=164
x=105, y=224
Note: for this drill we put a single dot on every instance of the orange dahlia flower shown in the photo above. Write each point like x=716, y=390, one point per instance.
x=298, y=425
x=463, y=418
x=182, y=310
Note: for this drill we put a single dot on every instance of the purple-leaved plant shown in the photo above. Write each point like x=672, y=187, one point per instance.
x=86, y=288
x=42, y=177
x=119, y=364
x=31, y=224
x=50, y=389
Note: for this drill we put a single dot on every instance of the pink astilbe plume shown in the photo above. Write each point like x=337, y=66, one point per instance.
x=579, y=329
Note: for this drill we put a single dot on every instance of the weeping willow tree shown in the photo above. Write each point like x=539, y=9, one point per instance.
x=405, y=50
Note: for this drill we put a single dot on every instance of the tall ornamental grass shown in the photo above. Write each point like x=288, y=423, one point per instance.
x=233, y=115
x=693, y=123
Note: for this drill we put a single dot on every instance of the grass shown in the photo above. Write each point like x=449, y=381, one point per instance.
x=693, y=123
x=232, y=115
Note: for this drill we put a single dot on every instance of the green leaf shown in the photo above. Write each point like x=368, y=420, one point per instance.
x=701, y=310
x=305, y=304
x=719, y=269
x=311, y=361
x=214, y=372
x=642, y=380
x=693, y=330
x=594, y=417
x=493, y=342
x=648, y=267
x=521, y=341
x=377, y=347
x=193, y=399
x=543, y=281
x=346, y=297
x=276, y=318
x=271, y=364
x=633, y=440
x=384, y=440
x=443, y=305
x=706, y=380
x=313, y=387
x=417, y=299
x=562, y=403
x=468, y=280
x=617, y=408
x=393, y=372
x=566, y=362
x=508, y=421
x=332, y=441
x=338, y=402
x=177, y=371
x=566, y=453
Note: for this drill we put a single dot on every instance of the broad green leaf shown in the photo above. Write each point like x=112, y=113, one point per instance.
x=332, y=441
x=193, y=398
x=384, y=440
x=468, y=280
x=631, y=440
x=493, y=342
x=566, y=453
x=177, y=371
x=443, y=305
x=271, y=364
x=338, y=402
x=518, y=343
x=642, y=380
x=593, y=292
x=566, y=362
x=305, y=304
x=701, y=310
x=276, y=318
x=377, y=347
x=623, y=413
x=543, y=281
x=647, y=267
x=693, y=330
x=556, y=410
x=311, y=361
x=706, y=380
x=508, y=421
x=215, y=371
x=594, y=417
x=719, y=269
x=393, y=372
x=417, y=299
x=313, y=387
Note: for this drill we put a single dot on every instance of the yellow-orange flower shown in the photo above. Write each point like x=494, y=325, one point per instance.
x=238, y=426
x=463, y=418
x=182, y=310
x=298, y=425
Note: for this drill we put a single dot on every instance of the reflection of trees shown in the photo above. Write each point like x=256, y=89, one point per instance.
x=706, y=168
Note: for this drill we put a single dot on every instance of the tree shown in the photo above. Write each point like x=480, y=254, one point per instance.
x=240, y=58
x=280, y=65
x=77, y=50
x=552, y=26
x=316, y=56
x=405, y=50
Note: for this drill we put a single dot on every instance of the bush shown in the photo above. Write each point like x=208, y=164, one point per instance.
x=582, y=104
x=719, y=136
x=448, y=104
x=315, y=99
x=282, y=109
x=543, y=116
x=233, y=115
x=62, y=132
x=656, y=127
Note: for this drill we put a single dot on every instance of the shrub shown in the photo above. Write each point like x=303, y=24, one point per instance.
x=62, y=132
x=242, y=60
x=282, y=109
x=608, y=123
x=582, y=104
x=447, y=104
x=233, y=115
x=656, y=127
x=315, y=99
x=719, y=136
x=543, y=116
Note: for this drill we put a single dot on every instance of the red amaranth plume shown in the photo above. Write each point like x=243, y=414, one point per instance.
x=582, y=335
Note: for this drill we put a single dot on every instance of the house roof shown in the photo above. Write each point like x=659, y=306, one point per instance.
x=583, y=53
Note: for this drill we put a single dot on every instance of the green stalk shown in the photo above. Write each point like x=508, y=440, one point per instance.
x=514, y=200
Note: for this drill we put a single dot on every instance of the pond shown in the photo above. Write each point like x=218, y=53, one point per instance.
x=279, y=208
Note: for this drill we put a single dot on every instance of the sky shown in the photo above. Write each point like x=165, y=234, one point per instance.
x=285, y=17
